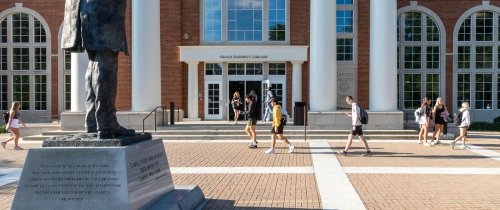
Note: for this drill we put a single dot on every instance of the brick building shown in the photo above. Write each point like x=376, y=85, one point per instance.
x=211, y=48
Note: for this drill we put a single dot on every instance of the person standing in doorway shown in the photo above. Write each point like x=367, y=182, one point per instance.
x=13, y=125
x=440, y=115
x=236, y=103
x=277, y=128
x=269, y=108
x=464, y=125
x=356, y=128
x=252, y=120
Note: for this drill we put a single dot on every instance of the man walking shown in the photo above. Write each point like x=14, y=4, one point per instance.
x=268, y=107
x=277, y=129
x=356, y=128
x=252, y=120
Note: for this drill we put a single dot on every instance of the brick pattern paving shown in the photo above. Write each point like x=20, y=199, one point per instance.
x=236, y=155
x=411, y=155
x=233, y=191
x=7, y=193
x=491, y=144
x=390, y=191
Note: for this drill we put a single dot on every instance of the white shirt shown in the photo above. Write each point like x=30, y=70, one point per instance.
x=355, y=114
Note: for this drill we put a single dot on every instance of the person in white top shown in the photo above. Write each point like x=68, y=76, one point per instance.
x=464, y=125
x=356, y=128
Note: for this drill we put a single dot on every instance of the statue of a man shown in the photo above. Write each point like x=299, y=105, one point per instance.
x=98, y=26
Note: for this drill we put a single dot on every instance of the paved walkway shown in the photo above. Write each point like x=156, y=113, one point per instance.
x=399, y=174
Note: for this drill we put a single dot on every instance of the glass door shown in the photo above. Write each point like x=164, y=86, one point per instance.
x=213, y=102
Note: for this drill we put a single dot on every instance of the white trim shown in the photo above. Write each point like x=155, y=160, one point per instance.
x=238, y=53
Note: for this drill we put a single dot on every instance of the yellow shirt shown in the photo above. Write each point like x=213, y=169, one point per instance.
x=276, y=115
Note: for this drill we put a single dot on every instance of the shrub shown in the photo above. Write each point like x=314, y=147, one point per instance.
x=497, y=119
x=2, y=129
x=484, y=126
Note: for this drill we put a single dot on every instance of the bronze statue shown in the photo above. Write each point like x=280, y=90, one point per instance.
x=98, y=26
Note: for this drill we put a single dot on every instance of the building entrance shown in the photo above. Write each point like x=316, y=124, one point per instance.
x=245, y=87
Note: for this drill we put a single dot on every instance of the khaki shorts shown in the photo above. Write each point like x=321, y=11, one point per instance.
x=252, y=121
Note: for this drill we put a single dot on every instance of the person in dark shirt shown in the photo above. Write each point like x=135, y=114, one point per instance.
x=252, y=120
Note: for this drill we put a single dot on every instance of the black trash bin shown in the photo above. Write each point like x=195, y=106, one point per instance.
x=299, y=112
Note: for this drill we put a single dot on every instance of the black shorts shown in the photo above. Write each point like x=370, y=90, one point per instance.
x=277, y=131
x=357, y=130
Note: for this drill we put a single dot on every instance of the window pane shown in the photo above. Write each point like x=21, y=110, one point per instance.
x=433, y=57
x=484, y=26
x=20, y=59
x=39, y=32
x=212, y=20
x=40, y=59
x=432, y=31
x=413, y=57
x=413, y=26
x=236, y=68
x=213, y=99
x=20, y=28
x=254, y=69
x=67, y=91
x=412, y=91
x=40, y=92
x=483, y=91
x=464, y=33
x=277, y=68
x=4, y=92
x=277, y=20
x=432, y=86
x=345, y=50
x=3, y=58
x=21, y=90
x=464, y=57
x=344, y=21
x=484, y=57
x=213, y=69
x=67, y=61
x=244, y=20
x=344, y=2
x=3, y=31
x=463, y=89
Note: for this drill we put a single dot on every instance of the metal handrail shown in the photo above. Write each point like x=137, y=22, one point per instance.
x=163, y=108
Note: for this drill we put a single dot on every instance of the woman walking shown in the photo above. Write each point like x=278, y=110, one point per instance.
x=236, y=103
x=13, y=125
x=464, y=125
x=424, y=121
x=440, y=115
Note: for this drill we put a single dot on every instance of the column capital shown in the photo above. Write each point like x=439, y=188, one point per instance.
x=192, y=62
x=297, y=62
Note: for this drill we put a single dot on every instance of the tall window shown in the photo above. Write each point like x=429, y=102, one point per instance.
x=24, y=62
x=345, y=30
x=476, y=62
x=245, y=20
x=419, y=58
x=277, y=68
x=67, y=80
x=244, y=69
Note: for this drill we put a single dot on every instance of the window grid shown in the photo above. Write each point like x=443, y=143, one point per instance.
x=3, y=59
x=464, y=34
x=213, y=98
x=484, y=57
x=40, y=58
x=40, y=92
x=464, y=57
x=463, y=89
x=432, y=57
x=413, y=26
x=484, y=93
x=212, y=20
x=277, y=88
x=213, y=69
x=4, y=91
x=345, y=50
x=432, y=86
x=277, y=68
x=39, y=32
x=67, y=61
x=239, y=29
x=253, y=69
x=344, y=21
x=20, y=28
x=236, y=69
x=67, y=91
x=21, y=59
x=3, y=31
x=277, y=20
x=412, y=91
x=344, y=2
x=413, y=57
x=21, y=89
x=484, y=26
x=432, y=31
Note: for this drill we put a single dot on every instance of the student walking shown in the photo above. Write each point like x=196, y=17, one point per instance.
x=13, y=125
x=464, y=125
x=424, y=121
x=268, y=107
x=252, y=120
x=236, y=103
x=440, y=115
x=356, y=128
x=277, y=128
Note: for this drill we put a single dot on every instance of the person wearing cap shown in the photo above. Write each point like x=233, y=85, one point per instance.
x=277, y=128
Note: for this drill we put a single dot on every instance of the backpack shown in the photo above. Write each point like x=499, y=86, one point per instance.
x=283, y=120
x=363, y=116
x=418, y=114
x=457, y=118
x=6, y=117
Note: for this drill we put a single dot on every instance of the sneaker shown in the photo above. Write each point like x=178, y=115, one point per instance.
x=18, y=148
x=427, y=145
x=438, y=142
x=4, y=144
x=369, y=153
x=433, y=143
x=452, y=144
x=342, y=152
x=463, y=147
x=270, y=151
x=252, y=146
x=420, y=142
x=291, y=148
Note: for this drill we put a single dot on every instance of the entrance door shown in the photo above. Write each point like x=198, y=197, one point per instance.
x=213, y=102
x=244, y=87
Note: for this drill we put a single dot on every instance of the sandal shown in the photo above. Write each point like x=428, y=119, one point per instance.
x=4, y=144
x=18, y=148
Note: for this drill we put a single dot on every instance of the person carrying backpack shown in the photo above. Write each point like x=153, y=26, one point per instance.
x=463, y=126
x=356, y=128
x=425, y=121
x=277, y=129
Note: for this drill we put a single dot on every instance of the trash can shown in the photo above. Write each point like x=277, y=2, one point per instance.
x=299, y=112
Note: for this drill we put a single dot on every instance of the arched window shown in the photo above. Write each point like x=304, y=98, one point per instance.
x=420, y=56
x=24, y=63
x=477, y=60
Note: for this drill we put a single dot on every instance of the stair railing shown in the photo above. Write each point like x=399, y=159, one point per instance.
x=163, y=108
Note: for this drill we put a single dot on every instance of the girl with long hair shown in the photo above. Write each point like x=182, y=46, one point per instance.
x=13, y=125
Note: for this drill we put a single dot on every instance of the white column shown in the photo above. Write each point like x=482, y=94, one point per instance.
x=383, y=47
x=79, y=64
x=323, y=60
x=296, y=81
x=146, y=55
x=193, y=90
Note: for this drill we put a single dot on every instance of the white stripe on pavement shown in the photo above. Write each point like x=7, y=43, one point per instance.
x=335, y=189
x=9, y=175
x=420, y=170
x=484, y=152
x=241, y=170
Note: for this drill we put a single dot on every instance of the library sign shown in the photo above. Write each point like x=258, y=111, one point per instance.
x=243, y=56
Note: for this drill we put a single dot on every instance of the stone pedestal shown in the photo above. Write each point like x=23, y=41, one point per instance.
x=135, y=176
x=339, y=121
